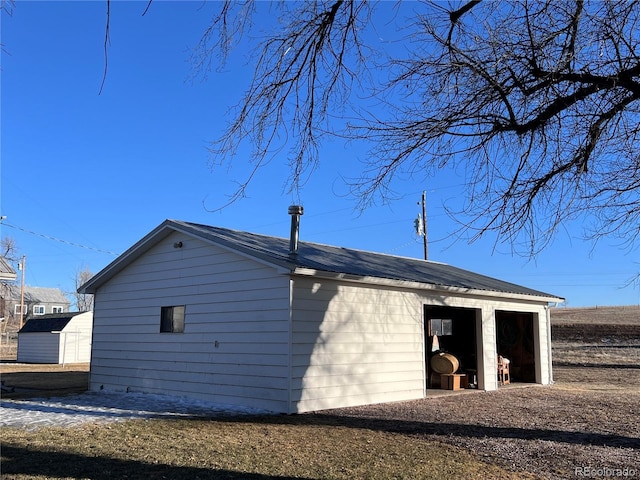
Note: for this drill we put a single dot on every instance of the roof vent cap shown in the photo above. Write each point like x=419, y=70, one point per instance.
x=295, y=211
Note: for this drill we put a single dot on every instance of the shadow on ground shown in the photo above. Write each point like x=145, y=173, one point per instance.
x=43, y=384
x=52, y=464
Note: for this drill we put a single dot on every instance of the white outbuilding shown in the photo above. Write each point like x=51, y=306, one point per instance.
x=290, y=326
x=56, y=338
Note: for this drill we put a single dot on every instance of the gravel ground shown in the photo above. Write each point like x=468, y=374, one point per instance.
x=554, y=432
x=586, y=425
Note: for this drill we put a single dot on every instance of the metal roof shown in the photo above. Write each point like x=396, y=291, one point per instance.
x=357, y=263
x=314, y=258
x=47, y=295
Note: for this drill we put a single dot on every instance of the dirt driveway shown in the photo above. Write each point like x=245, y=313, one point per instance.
x=554, y=432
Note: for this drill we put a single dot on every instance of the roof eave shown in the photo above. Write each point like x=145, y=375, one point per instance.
x=309, y=272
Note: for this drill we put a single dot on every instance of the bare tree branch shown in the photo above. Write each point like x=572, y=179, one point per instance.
x=106, y=47
x=537, y=102
x=302, y=74
x=83, y=301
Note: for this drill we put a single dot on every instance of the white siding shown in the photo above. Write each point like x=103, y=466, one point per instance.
x=257, y=338
x=38, y=347
x=354, y=345
x=488, y=368
x=75, y=339
x=234, y=348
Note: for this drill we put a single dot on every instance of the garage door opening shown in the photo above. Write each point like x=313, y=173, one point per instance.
x=451, y=332
x=516, y=341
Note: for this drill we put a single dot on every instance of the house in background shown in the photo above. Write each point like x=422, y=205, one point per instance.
x=290, y=326
x=37, y=300
x=56, y=338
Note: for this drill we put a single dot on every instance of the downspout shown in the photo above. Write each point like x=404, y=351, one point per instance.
x=93, y=329
x=290, y=409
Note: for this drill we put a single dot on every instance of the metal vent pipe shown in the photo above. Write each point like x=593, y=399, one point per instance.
x=295, y=211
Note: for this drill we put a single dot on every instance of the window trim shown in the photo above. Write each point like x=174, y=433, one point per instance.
x=172, y=319
x=42, y=309
x=57, y=309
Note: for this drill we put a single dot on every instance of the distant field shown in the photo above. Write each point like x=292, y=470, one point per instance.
x=626, y=315
x=596, y=323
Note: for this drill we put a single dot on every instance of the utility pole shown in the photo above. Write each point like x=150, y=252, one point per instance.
x=22, y=268
x=424, y=222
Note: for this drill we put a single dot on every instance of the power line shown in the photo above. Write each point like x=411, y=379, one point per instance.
x=400, y=247
x=66, y=242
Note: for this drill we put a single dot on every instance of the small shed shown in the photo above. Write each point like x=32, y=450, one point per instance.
x=292, y=326
x=56, y=338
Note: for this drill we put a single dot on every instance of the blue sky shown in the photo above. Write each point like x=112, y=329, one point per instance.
x=84, y=176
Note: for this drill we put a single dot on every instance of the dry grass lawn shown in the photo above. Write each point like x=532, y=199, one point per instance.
x=28, y=380
x=262, y=448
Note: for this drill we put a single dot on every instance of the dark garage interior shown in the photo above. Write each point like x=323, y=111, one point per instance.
x=455, y=328
x=516, y=342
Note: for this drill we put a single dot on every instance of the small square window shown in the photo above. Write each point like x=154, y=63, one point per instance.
x=172, y=319
x=441, y=326
x=38, y=309
x=56, y=309
x=18, y=309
